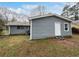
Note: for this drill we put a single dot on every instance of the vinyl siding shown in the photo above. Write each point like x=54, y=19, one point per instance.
x=14, y=30
x=45, y=27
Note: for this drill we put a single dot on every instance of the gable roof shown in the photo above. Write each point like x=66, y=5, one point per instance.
x=17, y=24
x=48, y=15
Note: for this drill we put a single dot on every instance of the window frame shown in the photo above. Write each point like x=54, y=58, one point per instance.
x=67, y=27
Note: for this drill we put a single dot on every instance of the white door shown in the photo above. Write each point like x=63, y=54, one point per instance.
x=57, y=29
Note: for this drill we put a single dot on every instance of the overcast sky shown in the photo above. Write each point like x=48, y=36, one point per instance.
x=25, y=7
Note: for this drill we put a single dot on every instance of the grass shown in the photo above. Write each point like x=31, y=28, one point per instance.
x=20, y=46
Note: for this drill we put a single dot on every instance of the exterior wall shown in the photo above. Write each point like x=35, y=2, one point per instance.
x=14, y=30
x=45, y=27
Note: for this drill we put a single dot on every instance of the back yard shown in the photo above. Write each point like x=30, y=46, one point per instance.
x=19, y=45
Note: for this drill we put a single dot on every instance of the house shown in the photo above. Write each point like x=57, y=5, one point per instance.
x=49, y=25
x=17, y=28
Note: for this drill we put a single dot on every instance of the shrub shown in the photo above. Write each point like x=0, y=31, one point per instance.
x=1, y=26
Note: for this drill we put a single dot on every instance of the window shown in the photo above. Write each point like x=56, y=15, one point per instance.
x=20, y=27
x=66, y=27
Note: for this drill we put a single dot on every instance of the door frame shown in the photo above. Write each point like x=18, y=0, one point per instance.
x=57, y=29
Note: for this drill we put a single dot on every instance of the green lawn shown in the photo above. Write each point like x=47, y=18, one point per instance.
x=20, y=45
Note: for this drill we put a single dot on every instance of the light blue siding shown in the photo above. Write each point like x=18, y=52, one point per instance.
x=14, y=30
x=45, y=27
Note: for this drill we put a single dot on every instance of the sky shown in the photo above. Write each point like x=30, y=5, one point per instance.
x=26, y=7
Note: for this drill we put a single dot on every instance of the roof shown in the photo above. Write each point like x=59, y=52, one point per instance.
x=18, y=23
x=47, y=15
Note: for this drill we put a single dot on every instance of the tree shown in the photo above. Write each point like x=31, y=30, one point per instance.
x=39, y=10
x=75, y=10
x=2, y=17
x=71, y=9
x=13, y=20
x=76, y=15
x=6, y=20
x=1, y=25
x=66, y=7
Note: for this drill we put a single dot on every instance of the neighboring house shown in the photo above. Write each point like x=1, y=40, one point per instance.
x=17, y=28
x=49, y=25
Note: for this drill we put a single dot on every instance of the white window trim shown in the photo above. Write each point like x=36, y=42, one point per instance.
x=68, y=26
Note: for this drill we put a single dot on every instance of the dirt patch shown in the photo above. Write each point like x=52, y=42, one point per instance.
x=66, y=43
x=76, y=43
x=61, y=42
